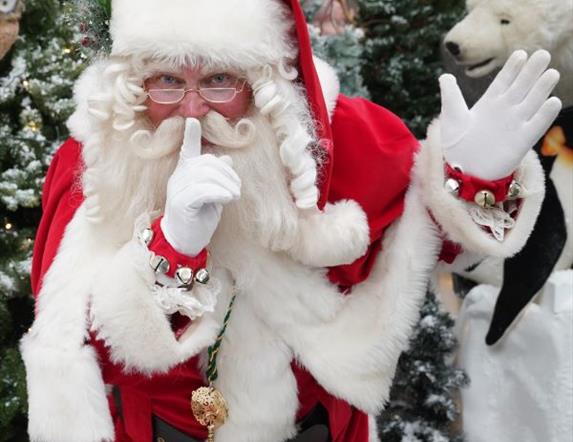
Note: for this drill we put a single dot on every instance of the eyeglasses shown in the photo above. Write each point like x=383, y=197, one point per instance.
x=209, y=94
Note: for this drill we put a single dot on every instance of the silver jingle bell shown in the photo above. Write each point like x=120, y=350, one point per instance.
x=452, y=186
x=202, y=276
x=146, y=235
x=485, y=198
x=159, y=264
x=184, y=275
x=515, y=190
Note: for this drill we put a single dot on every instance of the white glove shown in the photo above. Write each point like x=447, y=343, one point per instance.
x=490, y=140
x=196, y=192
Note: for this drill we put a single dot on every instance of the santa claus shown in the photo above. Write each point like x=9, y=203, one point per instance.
x=231, y=249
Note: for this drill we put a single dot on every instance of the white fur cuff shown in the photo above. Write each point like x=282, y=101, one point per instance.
x=452, y=214
x=66, y=394
x=339, y=235
x=126, y=315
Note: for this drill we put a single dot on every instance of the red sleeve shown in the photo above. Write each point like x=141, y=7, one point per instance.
x=61, y=196
x=373, y=156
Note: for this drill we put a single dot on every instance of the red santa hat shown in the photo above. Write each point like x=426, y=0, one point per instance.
x=236, y=33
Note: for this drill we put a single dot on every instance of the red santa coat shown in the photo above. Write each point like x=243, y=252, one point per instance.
x=372, y=155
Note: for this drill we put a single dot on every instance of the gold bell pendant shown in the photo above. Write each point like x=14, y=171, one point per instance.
x=209, y=408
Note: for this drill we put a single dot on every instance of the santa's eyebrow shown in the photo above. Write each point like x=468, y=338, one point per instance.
x=157, y=74
x=210, y=70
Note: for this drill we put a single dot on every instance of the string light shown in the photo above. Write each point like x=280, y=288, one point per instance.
x=33, y=126
x=26, y=244
x=8, y=226
x=67, y=50
x=26, y=84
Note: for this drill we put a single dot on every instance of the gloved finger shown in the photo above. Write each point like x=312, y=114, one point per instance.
x=538, y=94
x=542, y=120
x=212, y=194
x=191, y=139
x=217, y=170
x=199, y=169
x=454, y=113
x=191, y=191
x=508, y=73
x=211, y=210
x=532, y=70
x=453, y=102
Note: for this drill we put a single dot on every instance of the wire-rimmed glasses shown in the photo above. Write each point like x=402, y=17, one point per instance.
x=215, y=95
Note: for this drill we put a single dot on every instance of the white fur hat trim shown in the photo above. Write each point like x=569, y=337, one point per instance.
x=240, y=33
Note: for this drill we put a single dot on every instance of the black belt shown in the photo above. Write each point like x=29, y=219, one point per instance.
x=313, y=428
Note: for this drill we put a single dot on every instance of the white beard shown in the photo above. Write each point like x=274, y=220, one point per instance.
x=266, y=213
x=127, y=184
x=135, y=166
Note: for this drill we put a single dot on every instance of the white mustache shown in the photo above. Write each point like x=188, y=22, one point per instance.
x=218, y=131
x=167, y=138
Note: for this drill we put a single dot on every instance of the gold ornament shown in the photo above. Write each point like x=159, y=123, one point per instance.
x=209, y=408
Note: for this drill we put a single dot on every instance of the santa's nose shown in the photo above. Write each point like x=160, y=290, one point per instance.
x=453, y=48
x=193, y=106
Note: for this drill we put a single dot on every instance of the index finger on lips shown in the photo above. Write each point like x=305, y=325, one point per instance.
x=191, y=139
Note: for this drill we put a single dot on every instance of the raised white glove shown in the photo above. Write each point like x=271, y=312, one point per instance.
x=196, y=192
x=490, y=140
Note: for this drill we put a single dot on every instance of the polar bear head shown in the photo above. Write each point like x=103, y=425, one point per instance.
x=493, y=29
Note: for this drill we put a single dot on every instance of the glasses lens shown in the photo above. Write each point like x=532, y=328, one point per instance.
x=218, y=95
x=166, y=96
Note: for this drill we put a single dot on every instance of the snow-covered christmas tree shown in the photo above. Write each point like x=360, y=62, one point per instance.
x=37, y=73
x=402, y=54
x=422, y=405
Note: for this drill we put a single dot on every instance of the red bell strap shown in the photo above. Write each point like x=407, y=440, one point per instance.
x=161, y=248
x=471, y=186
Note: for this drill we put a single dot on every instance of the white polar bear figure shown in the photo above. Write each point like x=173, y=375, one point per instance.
x=493, y=29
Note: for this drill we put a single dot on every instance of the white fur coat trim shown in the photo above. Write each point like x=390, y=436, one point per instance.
x=452, y=213
x=116, y=287
x=66, y=394
x=350, y=344
x=336, y=236
x=178, y=28
x=127, y=318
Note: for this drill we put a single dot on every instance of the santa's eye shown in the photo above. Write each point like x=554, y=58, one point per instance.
x=504, y=21
x=219, y=80
x=169, y=80
x=165, y=81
